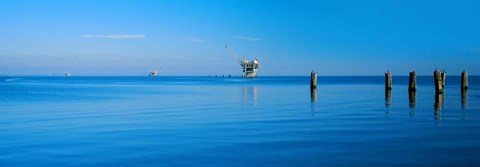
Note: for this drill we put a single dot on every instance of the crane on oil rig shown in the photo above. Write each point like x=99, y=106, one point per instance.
x=249, y=67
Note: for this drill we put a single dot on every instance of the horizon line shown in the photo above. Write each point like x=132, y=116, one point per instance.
x=220, y=76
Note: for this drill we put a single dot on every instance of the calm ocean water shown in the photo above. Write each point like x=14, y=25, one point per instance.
x=268, y=121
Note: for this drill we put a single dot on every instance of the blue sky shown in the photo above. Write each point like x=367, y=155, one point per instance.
x=118, y=37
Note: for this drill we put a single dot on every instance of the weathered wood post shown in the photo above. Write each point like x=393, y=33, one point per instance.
x=464, y=89
x=412, y=82
x=464, y=84
x=313, y=80
x=444, y=77
x=313, y=86
x=412, y=89
x=439, y=80
x=388, y=81
x=388, y=89
x=436, y=80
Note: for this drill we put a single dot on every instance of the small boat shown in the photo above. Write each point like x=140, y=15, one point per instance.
x=67, y=74
x=153, y=73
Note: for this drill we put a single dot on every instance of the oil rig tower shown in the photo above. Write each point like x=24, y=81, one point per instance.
x=249, y=67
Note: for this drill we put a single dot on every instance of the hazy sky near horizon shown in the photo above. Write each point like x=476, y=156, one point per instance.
x=289, y=37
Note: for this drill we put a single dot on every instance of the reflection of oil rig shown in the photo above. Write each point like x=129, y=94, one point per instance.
x=249, y=68
x=250, y=95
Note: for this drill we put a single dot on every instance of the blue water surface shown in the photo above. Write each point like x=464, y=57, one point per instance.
x=223, y=121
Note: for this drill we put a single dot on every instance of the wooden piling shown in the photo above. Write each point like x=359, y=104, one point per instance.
x=388, y=89
x=388, y=81
x=412, y=82
x=313, y=86
x=436, y=80
x=464, y=89
x=464, y=82
x=313, y=80
x=444, y=77
x=439, y=79
x=412, y=89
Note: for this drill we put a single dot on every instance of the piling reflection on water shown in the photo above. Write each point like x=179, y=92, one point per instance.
x=464, y=98
x=412, y=99
x=250, y=95
x=438, y=105
x=313, y=99
x=388, y=100
x=313, y=94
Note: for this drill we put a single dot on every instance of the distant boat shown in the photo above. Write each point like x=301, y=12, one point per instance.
x=153, y=73
x=67, y=74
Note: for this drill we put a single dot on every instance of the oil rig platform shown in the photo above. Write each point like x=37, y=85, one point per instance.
x=249, y=67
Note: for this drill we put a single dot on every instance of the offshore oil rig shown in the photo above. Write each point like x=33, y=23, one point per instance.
x=249, y=67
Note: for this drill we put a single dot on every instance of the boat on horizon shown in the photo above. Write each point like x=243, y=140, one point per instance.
x=153, y=73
